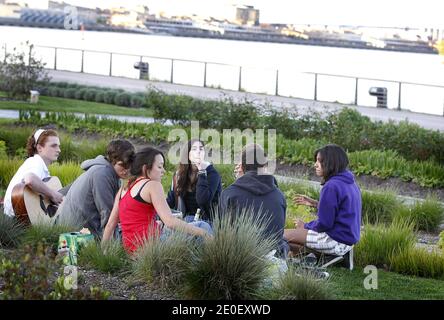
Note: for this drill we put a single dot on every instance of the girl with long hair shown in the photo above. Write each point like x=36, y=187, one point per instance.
x=138, y=205
x=196, y=184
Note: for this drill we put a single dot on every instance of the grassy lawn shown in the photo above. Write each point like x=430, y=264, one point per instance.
x=70, y=105
x=391, y=286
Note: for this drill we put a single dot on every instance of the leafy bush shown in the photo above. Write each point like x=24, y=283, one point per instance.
x=70, y=93
x=100, y=96
x=21, y=72
x=14, y=137
x=109, y=96
x=111, y=258
x=123, y=99
x=297, y=151
x=419, y=262
x=90, y=95
x=137, y=101
x=10, y=231
x=55, y=92
x=233, y=264
x=63, y=85
x=33, y=275
x=80, y=93
x=379, y=242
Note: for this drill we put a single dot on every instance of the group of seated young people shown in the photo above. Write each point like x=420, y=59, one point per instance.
x=120, y=195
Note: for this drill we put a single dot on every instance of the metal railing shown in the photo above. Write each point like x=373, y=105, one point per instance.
x=173, y=62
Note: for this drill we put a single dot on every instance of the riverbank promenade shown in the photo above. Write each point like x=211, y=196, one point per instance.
x=303, y=106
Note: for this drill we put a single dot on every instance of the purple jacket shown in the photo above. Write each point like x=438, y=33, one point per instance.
x=339, y=209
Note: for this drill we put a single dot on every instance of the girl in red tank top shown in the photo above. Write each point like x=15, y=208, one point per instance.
x=137, y=213
x=137, y=218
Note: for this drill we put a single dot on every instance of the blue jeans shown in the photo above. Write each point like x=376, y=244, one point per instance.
x=200, y=224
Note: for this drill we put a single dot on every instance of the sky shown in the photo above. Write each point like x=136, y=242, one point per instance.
x=389, y=13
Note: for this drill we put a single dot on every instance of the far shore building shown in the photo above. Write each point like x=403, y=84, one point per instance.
x=247, y=15
x=10, y=10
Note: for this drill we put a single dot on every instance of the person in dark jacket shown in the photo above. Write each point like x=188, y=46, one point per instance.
x=258, y=190
x=338, y=225
x=195, y=185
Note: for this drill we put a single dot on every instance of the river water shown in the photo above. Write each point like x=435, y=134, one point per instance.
x=260, y=62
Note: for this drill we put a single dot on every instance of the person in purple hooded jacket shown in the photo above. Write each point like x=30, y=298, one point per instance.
x=338, y=225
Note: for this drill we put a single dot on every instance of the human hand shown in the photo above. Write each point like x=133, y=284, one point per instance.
x=304, y=200
x=299, y=224
x=85, y=231
x=202, y=165
x=56, y=197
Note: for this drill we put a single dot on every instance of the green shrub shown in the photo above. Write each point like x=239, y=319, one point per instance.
x=109, y=258
x=61, y=84
x=55, y=92
x=425, y=173
x=100, y=96
x=351, y=129
x=233, y=264
x=109, y=96
x=14, y=137
x=70, y=93
x=29, y=277
x=297, y=151
x=90, y=95
x=379, y=242
x=74, y=85
x=80, y=93
x=11, y=231
x=137, y=101
x=123, y=99
x=427, y=215
x=379, y=206
x=164, y=263
x=410, y=140
x=419, y=262
x=33, y=275
x=21, y=72
x=300, y=284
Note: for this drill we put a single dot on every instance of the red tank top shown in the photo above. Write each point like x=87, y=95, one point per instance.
x=137, y=219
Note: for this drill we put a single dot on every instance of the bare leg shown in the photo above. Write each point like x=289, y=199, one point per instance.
x=296, y=238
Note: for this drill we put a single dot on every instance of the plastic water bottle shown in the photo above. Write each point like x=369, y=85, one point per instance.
x=197, y=215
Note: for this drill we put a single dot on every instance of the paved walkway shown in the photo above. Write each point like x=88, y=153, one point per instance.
x=304, y=106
